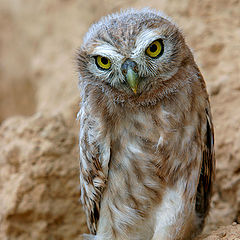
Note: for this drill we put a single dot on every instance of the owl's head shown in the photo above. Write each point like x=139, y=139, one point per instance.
x=132, y=52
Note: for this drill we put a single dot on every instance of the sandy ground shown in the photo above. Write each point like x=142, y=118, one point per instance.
x=38, y=83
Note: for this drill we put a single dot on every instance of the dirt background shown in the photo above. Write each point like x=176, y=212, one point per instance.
x=39, y=188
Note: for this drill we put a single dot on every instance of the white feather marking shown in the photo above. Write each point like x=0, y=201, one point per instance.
x=105, y=155
x=107, y=50
x=170, y=210
x=145, y=38
x=134, y=148
x=160, y=141
x=83, y=161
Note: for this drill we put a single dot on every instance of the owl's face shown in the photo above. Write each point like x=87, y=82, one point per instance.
x=132, y=52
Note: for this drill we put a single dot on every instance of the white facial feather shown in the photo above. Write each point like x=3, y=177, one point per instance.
x=107, y=50
x=144, y=39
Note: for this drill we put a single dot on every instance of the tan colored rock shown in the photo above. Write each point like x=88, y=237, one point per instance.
x=38, y=172
x=231, y=232
x=39, y=180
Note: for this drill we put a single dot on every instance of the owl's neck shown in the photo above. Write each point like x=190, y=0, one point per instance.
x=109, y=100
x=163, y=90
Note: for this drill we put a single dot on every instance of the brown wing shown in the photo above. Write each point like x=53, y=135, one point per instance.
x=92, y=175
x=204, y=189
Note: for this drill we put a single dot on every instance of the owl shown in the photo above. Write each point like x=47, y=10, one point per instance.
x=146, y=134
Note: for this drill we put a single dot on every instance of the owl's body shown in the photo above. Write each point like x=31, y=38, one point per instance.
x=146, y=137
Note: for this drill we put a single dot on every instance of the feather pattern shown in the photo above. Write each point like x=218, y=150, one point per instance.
x=93, y=167
x=204, y=190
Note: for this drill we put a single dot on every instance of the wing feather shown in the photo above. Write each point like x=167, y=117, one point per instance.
x=204, y=189
x=94, y=154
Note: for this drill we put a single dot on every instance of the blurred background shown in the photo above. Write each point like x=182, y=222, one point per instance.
x=39, y=101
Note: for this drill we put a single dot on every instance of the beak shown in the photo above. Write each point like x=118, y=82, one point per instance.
x=129, y=70
x=132, y=79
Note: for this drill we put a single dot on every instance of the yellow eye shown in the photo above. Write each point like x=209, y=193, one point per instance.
x=155, y=49
x=103, y=62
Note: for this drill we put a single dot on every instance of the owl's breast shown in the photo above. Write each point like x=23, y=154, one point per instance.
x=136, y=137
x=158, y=145
x=151, y=153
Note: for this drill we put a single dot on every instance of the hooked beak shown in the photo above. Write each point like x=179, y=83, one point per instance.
x=130, y=71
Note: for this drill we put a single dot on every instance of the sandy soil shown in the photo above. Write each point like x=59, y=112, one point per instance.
x=39, y=101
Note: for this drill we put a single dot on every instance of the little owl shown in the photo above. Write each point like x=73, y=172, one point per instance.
x=146, y=135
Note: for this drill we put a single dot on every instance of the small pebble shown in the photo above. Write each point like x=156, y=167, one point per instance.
x=223, y=234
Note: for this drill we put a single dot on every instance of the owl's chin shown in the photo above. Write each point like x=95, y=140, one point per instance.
x=145, y=85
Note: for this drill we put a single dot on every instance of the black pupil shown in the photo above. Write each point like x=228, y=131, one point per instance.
x=153, y=48
x=104, y=60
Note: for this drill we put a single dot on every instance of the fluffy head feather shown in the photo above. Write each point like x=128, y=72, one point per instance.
x=126, y=35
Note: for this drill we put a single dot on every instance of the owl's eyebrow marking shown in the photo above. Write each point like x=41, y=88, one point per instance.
x=106, y=50
x=146, y=37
